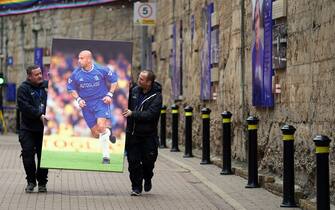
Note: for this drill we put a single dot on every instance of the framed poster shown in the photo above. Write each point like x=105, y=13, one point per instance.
x=279, y=46
x=86, y=130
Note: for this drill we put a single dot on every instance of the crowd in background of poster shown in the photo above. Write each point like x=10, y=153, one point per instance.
x=262, y=71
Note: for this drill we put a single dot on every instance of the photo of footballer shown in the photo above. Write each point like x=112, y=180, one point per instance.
x=88, y=85
x=87, y=92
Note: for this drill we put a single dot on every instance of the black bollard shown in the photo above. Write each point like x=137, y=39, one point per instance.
x=288, y=162
x=322, y=172
x=226, y=143
x=163, y=128
x=175, y=120
x=252, y=153
x=188, y=131
x=205, y=136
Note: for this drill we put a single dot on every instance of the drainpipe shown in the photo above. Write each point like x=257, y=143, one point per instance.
x=242, y=83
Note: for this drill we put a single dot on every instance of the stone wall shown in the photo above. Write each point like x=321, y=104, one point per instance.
x=307, y=84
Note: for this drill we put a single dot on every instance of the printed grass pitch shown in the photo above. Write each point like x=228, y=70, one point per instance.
x=81, y=161
x=80, y=153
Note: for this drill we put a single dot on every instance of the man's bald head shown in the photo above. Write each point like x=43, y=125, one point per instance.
x=86, y=53
x=85, y=59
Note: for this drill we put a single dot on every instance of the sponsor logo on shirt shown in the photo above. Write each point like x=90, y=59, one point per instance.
x=89, y=85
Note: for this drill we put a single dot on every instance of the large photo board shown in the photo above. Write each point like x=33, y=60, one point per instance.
x=86, y=129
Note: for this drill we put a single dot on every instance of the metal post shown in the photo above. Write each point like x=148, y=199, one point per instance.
x=163, y=127
x=175, y=120
x=322, y=172
x=226, y=143
x=205, y=136
x=288, y=162
x=252, y=153
x=188, y=131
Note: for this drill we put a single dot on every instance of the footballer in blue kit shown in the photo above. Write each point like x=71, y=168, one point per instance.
x=89, y=85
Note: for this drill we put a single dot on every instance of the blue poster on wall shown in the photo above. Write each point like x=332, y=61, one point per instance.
x=262, y=53
x=11, y=92
x=10, y=61
x=38, y=57
x=205, y=86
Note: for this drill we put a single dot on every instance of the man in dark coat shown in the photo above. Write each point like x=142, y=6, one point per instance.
x=145, y=102
x=31, y=101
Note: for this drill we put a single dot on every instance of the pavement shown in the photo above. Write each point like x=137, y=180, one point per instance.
x=179, y=183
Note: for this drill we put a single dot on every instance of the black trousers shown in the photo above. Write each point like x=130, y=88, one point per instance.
x=141, y=154
x=31, y=144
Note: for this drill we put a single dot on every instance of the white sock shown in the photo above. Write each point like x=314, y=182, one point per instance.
x=104, y=141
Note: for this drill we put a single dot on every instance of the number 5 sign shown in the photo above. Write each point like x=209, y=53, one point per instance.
x=145, y=14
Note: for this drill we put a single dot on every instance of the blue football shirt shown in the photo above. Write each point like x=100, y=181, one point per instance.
x=91, y=85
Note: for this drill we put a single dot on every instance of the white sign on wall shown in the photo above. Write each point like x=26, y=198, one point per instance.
x=145, y=14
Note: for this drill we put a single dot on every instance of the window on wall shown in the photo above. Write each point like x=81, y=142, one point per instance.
x=209, y=54
x=279, y=34
x=215, y=53
x=279, y=43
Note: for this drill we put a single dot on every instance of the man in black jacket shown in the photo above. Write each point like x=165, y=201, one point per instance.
x=31, y=101
x=145, y=102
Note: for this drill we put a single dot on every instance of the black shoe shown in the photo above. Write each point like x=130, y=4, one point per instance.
x=30, y=187
x=135, y=192
x=42, y=188
x=147, y=185
x=106, y=160
x=112, y=138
